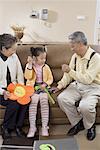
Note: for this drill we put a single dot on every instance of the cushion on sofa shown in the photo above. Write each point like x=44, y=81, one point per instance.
x=57, y=54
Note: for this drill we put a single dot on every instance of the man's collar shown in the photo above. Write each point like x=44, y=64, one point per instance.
x=88, y=53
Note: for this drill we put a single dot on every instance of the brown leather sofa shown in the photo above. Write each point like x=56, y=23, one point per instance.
x=57, y=54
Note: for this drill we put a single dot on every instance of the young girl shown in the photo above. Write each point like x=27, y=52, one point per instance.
x=38, y=73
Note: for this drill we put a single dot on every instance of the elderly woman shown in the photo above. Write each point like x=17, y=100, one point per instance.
x=10, y=71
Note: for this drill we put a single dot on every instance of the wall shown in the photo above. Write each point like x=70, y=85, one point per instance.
x=97, y=24
x=61, y=22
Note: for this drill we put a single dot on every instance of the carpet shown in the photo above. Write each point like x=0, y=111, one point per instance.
x=57, y=144
x=18, y=143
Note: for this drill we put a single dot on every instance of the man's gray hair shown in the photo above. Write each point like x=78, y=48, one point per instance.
x=78, y=37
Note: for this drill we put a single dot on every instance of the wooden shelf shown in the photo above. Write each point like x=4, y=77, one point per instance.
x=41, y=43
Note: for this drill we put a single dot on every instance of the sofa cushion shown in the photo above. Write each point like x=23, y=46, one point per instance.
x=56, y=57
x=57, y=54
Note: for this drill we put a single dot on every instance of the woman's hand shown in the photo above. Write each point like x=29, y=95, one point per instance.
x=6, y=95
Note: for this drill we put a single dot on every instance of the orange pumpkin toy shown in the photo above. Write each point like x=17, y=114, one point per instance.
x=20, y=92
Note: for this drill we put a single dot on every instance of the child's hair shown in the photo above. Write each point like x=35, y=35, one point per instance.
x=37, y=51
x=7, y=40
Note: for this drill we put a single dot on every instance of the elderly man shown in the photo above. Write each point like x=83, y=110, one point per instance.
x=82, y=76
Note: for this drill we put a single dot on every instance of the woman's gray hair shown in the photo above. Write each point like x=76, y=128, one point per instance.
x=78, y=37
x=7, y=40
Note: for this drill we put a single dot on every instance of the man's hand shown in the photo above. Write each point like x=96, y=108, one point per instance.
x=65, y=68
x=55, y=90
x=6, y=95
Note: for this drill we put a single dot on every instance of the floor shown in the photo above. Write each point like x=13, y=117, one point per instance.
x=59, y=131
x=83, y=143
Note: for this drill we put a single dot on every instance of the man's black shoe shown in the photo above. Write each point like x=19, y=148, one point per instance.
x=78, y=127
x=91, y=133
x=6, y=133
x=20, y=132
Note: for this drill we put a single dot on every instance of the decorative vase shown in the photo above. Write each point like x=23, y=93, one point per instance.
x=19, y=32
x=19, y=35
